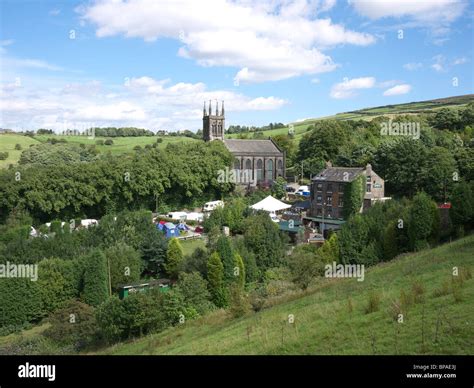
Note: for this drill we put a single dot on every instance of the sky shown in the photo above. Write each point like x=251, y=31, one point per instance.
x=152, y=63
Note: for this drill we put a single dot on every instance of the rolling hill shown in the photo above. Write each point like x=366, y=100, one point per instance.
x=332, y=318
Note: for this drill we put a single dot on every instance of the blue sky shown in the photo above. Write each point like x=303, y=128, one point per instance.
x=151, y=64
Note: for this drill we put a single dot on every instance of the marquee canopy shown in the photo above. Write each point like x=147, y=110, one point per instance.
x=270, y=204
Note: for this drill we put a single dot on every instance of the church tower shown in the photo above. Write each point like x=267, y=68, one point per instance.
x=213, y=125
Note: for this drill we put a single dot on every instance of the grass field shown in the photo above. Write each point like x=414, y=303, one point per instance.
x=331, y=319
x=7, y=144
x=120, y=145
x=190, y=245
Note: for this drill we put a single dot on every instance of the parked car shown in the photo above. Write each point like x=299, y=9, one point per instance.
x=274, y=217
x=290, y=189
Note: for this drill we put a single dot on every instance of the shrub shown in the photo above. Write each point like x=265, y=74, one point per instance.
x=174, y=258
x=108, y=142
x=159, y=140
x=99, y=142
x=18, y=147
x=373, y=303
x=96, y=288
x=239, y=301
x=442, y=290
x=74, y=325
x=3, y=155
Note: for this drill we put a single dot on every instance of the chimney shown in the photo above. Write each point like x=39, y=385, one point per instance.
x=368, y=169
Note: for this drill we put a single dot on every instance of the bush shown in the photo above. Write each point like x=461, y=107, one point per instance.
x=3, y=155
x=194, y=290
x=159, y=140
x=108, y=142
x=239, y=301
x=137, y=148
x=373, y=304
x=99, y=142
x=73, y=325
x=18, y=147
x=96, y=288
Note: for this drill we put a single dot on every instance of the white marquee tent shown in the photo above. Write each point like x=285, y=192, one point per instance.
x=270, y=204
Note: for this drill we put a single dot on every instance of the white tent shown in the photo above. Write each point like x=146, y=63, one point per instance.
x=270, y=204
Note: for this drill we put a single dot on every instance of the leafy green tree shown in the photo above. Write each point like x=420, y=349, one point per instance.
x=215, y=277
x=355, y=243
x=305, y=264
x=197, y=262
x=400, y=163
x=262, y=237
x=390, y=246
x=239, y=270
x=74, y=324
x=96, y=287
x=446, y=118
x=174, y=258
x=437, y=176
x=224, y=249
x=279, y=188
x=125, y=264
x=421, y=221
x=462, y=206
x=194, y=289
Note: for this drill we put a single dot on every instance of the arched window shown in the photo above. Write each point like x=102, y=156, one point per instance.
x=236, y=164
x=270, y=170
x=248, y=164
x=259, y=170
x=280, y=164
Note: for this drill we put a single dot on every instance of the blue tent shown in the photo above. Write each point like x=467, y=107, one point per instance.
x=169, y=229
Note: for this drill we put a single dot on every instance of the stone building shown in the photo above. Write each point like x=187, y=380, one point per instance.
x=260, y=160
x=327, y=193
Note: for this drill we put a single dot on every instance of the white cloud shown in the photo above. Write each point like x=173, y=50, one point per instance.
x=439, y=64
x=413, y=66
x=142, y=102
x=347, y=88
x=315, y=81
x=397, y=90
x=55, y=12
x=271, y=40
x=429, y=11
x=435, y=15
x=460, y=61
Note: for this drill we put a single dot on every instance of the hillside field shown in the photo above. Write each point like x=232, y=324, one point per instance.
x=331, y=318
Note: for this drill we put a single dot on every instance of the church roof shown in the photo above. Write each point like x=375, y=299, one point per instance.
x=249, y=147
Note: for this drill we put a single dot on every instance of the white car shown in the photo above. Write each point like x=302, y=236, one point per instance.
x=273, y=217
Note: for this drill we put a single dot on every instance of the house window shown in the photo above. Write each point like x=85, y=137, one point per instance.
x=319, y=199
x=270, y=169
x=329, y=199
x=259, y=170
x=341, y=201
x=368, y=188
x=368, y=178
x=329, y=189
x=319, y=186
x=341, y=188
x=329, y=212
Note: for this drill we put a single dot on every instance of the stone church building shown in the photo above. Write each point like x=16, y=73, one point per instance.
x=262, y=160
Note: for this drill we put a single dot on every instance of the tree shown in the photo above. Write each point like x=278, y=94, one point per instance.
x=446, y=118
x=174, y=258
x=96, y=286
x=262, y=237
x=194, y=289
x=305, y=263
x=462, y=206
x=279, y=188
x=125, y=264
x=390, y=246
x=355, y=243
x=215, y=277
x=239, y=270
x=437, y=176
x=224, y=249
x=421, y=221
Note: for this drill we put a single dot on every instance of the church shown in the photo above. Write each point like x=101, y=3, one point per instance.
x=262, y=159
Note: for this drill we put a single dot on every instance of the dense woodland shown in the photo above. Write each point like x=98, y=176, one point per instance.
x=80, y=269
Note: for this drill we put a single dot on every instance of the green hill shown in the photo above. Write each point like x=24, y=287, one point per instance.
x=7, y=144
x=332, y=318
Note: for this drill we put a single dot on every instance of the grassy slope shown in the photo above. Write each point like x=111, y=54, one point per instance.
x=121, y=144
x=7, y=143
x=325, y=325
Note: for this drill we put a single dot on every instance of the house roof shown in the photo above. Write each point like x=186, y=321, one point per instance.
x=339, y=174
x=248, y=147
